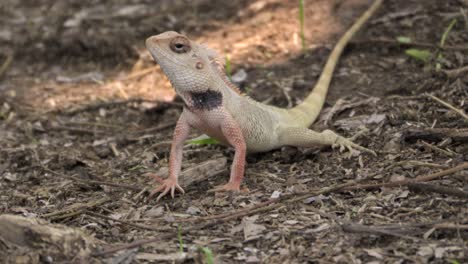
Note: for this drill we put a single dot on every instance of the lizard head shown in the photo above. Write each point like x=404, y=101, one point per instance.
x=187, y=64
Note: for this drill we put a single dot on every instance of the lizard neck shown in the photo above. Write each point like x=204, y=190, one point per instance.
x=207, y=96
x=203, y=100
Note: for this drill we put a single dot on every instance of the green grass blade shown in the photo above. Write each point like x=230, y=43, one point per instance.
x=208, y=255
x=179, y=236
x=228, y=66
x=447, y=31
x=301, y=21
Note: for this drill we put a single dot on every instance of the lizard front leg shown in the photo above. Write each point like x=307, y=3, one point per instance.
x=304, y=137
x=233, y=134
x=181, y=133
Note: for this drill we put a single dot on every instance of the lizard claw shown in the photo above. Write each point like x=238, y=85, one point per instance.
x=345, y=143
x=167, y=185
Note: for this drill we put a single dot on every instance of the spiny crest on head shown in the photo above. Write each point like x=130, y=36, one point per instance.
x=213, y=56
x=218, y=64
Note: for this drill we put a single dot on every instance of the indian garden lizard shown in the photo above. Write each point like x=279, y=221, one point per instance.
x=215, y=106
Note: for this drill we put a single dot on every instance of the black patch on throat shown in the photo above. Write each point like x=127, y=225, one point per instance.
x=207, y=100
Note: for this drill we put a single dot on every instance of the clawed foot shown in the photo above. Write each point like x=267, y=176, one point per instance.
x=345, y=143
x=167, y=185
x=228, y=187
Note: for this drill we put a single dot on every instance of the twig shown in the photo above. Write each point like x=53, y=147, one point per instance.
x=95, y=124
x=456, y=72
x=266, y=206
x=118, y=185
x=134, y=244
x=395, y=15
x=76, y=130
x=400, y=229
x=6, y=64
x=273, y=204
x=435, y=134
x=128, y=223
x=358, y=228
x=393, y=42
x=76, y=209
x=453, y=108
x=124, y=186
x=270, y=205
x=415, y=163
x=425, y=178
x=465, y=16
x=437, y=149
x=335, y=108
x=451, y=226
x=424, y=187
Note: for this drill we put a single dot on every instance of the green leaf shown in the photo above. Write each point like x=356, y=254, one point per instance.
x=403, y=39
x=447, y=31
x=208, y=255
x=422, y=55
x=454, y=262
x=203, y=141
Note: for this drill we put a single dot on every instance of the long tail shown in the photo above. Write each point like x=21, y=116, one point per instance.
x=306, y=112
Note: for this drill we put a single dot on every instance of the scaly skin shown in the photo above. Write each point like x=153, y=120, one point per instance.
x=214, y=106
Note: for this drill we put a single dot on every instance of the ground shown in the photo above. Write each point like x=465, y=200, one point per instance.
x=85, y=114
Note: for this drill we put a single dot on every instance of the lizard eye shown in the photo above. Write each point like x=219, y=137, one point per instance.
x=180, y=45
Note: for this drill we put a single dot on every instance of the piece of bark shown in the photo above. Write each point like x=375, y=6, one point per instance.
x=32, y=240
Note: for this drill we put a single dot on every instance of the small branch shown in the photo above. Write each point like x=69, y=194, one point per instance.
x=134, y=244
x=418, y=179
x=76, y=130
x=6, y=64
x=271, y=204
x=455, y=73
x=265, y=206
x=451, y=226
x=453, y=108
x=274, y=204
x=437, y=149
x=75, y=209
x=162, y=229
x=425, y=188
x=118, y=185
x=358, y=228
x=435, y=134
x=393, y=42
x=124, y=186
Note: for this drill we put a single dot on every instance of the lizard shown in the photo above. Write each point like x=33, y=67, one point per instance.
x=215, y=106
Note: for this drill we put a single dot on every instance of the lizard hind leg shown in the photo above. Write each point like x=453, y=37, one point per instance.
x=304, y=137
